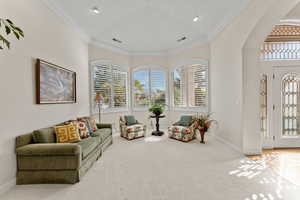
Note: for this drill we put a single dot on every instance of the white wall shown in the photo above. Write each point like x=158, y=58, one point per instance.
x=46, y=37
x=227, y=72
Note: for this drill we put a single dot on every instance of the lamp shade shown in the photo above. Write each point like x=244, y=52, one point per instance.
x=98, y=97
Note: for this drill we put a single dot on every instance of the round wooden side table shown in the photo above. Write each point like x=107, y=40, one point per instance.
x=157, y=132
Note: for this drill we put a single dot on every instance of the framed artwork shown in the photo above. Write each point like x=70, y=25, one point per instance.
x=54, y=84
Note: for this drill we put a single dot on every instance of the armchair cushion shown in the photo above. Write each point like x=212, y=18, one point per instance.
x=130, y=120
x=185, y=120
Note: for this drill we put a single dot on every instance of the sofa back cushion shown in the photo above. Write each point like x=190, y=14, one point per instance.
x=44, y=135
x=130, y=120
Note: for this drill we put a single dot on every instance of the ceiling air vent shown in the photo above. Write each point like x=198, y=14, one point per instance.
x=181, y=39
x=116, y=40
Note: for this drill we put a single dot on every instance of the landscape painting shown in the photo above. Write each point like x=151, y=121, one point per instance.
x=54, y=84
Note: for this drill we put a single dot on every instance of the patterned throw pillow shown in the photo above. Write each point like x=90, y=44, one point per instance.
x=93, y=124
x=83, y=131
x=90, y=123
x=67, y=133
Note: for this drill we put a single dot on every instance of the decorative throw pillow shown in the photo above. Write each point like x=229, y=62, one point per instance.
x=67, y=133
x=93, y=124
x=88, y=124
x=83, y=131
x=130, y=120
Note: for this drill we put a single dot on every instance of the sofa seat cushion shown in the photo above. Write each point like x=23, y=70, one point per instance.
x=48, y=150
x=104, y=133
x=88, y=145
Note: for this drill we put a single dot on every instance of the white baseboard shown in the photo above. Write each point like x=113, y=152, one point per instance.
x=7, y=186
x=232, y=146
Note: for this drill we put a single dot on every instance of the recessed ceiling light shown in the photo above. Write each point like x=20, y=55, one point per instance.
x=196, y=19
x=95, y=10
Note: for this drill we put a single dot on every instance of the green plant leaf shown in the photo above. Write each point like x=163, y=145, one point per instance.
x=9, y=21
x=7, y=30
x=17, y=35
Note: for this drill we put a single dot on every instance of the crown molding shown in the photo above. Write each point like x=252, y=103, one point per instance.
x=67, y=20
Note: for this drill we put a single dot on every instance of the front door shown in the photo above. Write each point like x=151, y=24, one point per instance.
x=286, y=98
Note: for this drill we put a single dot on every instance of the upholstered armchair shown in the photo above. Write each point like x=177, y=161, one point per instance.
x=184, y=129
x=130, y=128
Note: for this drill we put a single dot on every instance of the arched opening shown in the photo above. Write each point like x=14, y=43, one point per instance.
x=271, y=70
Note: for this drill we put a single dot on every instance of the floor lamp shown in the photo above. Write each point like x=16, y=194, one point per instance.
x=98, y=100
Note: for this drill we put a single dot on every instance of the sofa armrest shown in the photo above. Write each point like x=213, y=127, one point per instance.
x=104, y=126
x=23, y=140
x=56, y=149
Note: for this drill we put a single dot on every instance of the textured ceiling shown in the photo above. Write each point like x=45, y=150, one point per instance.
x=150, y=25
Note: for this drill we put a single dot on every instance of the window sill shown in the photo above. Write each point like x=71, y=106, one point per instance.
x=191, y=109
x=112, y=110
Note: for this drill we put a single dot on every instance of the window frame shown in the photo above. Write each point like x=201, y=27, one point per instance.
x=149, y=68
x=185, y=66
x=123, y=68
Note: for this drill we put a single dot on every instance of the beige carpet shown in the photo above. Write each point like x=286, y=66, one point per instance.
x=158, y=168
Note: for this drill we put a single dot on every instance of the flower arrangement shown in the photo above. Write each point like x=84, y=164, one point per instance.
x=204, y=120
x=203, y=123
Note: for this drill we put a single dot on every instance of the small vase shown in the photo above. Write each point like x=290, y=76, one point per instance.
x=202, y=133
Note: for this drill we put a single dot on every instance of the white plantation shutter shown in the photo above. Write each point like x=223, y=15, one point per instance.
x=190, y=86
x=119, y=79
x=198, y=86
x=178, y=87
x=158, y=86
x=111, y=82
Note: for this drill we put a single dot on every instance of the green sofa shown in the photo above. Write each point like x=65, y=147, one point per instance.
x=47, y=163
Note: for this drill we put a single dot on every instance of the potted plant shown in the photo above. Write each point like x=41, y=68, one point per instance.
x=203, y=123
x=157, y=109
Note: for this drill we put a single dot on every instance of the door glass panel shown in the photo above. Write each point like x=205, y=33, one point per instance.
x=290, y=105
x=263, y=106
